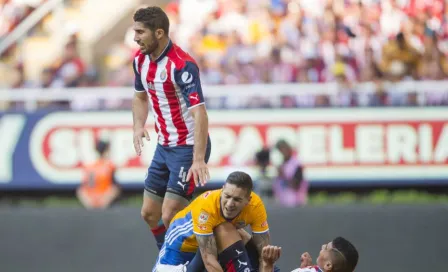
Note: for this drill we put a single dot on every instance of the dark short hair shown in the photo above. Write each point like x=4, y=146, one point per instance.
x=102, y=146
x=348, y=250
x=241, y=180
x=153, y=18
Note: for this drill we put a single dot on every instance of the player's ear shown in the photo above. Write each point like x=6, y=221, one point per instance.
x=159, y=33
x=328, y=266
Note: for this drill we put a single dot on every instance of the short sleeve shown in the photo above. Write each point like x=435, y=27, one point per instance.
x=138, y=85
x=259, y=223
x=189, y=82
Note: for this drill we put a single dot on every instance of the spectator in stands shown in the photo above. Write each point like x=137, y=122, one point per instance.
x=400, y=59
x=70, y=69
x=99, y=187
x=290, y=187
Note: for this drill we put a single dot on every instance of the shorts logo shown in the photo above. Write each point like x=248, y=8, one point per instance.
x=183, y=178
x=203, y=217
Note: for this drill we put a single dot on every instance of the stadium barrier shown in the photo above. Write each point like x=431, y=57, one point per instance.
x=388, y=238
x=354, y=146
x=428, y=92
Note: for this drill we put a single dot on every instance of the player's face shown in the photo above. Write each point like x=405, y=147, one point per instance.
x=145, y=38
x=324, y=255
x=233, y=200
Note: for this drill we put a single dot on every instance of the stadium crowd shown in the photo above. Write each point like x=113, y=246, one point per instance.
x=288, y=41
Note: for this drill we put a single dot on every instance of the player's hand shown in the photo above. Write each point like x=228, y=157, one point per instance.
x=270, y=254
x=199, y=172
x=139, y=134
x=306, y=260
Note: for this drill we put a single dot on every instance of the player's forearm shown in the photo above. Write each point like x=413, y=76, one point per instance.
x=200, y=135
x=212, y=265
x=261, y=240
x=140, y=110
x=266, y=267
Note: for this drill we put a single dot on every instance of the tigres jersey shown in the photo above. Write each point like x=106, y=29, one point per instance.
x=201, y=217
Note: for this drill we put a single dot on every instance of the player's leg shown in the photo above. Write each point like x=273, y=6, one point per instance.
x=155, y=188
x=232, y=254
x=179, y=190
x=252, y=250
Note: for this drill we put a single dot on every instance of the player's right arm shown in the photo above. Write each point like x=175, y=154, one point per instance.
x=209, y=252
x=204, y=221
x=269, y=256
x=140, y=110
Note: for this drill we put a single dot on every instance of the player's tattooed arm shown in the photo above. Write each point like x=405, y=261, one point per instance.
x=209, y=252
x=261, y=240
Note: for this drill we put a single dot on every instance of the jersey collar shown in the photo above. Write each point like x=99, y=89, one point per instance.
x=165, y=51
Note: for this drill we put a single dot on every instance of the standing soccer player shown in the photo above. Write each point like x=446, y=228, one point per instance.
x=168, y=78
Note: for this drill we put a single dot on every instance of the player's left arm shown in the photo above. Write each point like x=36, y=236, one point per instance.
x=260, y=229
x=188, y=80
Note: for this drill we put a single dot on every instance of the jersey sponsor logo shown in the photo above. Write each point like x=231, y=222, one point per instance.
x=240, y=224
x=187, y=77
x=264, y=224
x=206, y=194
x=203, y=217
x=202, y=227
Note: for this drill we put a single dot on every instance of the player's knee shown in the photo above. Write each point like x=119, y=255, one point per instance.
x=151, y=217
x=167, y=215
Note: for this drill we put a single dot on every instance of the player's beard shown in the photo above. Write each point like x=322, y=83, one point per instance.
x=150, y=48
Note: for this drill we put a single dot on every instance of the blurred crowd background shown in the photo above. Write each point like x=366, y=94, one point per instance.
x=267, y=41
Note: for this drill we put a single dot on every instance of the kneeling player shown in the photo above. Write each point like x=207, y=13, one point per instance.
x=194, y=226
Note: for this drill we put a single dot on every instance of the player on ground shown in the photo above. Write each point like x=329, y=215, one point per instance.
x=193, y=227
x=168, y=79
x=338, y=255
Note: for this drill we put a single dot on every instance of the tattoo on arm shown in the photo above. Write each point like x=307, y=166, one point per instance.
x=209, y=252
x=207, y=244
x=261, y=240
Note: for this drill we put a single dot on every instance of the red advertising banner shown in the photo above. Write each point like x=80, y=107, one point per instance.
x=351, y=144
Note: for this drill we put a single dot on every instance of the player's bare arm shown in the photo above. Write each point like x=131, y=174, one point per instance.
x=199, y=169
x=140, y=114
x=209, y=252
x=261, y=240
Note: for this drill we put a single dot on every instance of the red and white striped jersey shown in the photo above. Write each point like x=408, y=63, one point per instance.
x=173, y=86
x=308, y=269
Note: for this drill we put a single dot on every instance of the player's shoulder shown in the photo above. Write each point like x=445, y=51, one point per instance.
x=210, y=196
x=255, y=200
x=180, y=58
x=139, y=58
x=208, y=199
